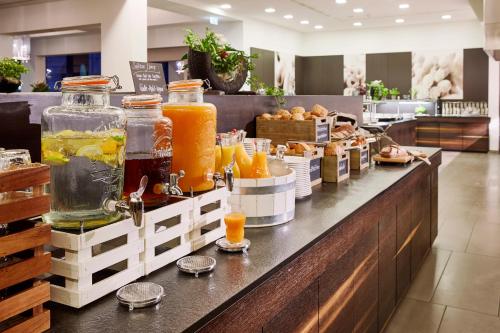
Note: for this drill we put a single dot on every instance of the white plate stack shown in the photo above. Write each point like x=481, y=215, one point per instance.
x=301, y=165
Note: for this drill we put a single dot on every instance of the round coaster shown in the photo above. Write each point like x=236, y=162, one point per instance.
x=140, y=295
x=196, y=264
x=227, y=246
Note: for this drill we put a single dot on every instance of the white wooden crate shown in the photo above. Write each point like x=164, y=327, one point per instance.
x=114, y=248
x=178, y=229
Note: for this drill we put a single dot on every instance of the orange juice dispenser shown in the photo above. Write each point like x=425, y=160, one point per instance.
x=193, y=136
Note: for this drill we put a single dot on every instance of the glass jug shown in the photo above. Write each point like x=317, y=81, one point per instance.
x=149, y=148
x=194, y=134
x=83, y=140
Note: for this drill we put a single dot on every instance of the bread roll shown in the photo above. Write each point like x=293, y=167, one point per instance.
x=277, y=117
x=393, y=151
x=298, y=109
x=319, y=110
x=266, y=116
x=333, y=149
x=301, y=147
x=297, y=116
x=285, y=115
x=307, y=115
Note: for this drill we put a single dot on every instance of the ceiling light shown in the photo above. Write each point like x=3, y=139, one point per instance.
x=270, y=10
x=225, y=6
x=357, y=24
x=404, y=6
x=446, y=17
x=358, y=10
x=304, y=22
x=318, y=27
x=341, y=2
x=288, y=17
x=400, y=20
x=213, y=20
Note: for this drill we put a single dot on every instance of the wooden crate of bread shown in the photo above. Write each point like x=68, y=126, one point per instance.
x=311, y=150
x=23, y=295
x=335, y=168
x=359, y=157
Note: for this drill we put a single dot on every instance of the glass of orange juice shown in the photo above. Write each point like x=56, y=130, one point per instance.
x=235, y=226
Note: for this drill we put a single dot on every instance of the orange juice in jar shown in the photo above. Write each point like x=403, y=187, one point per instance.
x=235, y=227
x=228, y=153
x=259, y=168
x=242, y=159
x=193, y=136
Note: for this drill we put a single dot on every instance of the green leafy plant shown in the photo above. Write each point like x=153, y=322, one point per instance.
x=11, y=69
x=377, y=90
x=278, y=93
x=39, y=87
x=226, y=60
x=394, y=92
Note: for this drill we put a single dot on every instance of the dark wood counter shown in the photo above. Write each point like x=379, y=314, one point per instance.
x=341, y=266
x=454, y=133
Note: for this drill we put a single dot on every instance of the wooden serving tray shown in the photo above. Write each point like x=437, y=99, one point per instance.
x=399, y=160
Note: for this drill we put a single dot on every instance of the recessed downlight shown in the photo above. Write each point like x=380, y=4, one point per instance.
x=318, y=27
x=446, y=17
x=288, y=16
x=400, y=20
x=270, y=10
x=358, y=10
x=304, y=22
x=357, y=24
x=404, y=6
x=225, y=6
x=340, y=2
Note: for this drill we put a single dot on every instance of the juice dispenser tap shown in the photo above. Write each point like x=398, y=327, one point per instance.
x=174, y=188
x=135, y=206
x=229, y=175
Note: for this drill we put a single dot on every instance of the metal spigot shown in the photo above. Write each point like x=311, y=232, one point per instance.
x=229, y=175
x=134, y=207
x=174, y=188
x=218, y=180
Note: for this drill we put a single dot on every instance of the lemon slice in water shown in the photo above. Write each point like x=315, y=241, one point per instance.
x=93, y=152
x=54, y=158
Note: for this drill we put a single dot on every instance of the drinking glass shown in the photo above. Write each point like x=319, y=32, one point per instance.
x=235, y=225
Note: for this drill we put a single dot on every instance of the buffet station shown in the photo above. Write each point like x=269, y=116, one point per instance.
x=158, y=215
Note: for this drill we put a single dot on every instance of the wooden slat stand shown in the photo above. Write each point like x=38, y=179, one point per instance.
x=21, y=294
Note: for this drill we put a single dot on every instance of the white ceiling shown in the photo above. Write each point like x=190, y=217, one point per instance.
x=332, y=16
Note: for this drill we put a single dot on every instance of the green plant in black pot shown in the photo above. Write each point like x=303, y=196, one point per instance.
x=10, y=74
x=39, y=87
x=377, y=90
x=212, y=58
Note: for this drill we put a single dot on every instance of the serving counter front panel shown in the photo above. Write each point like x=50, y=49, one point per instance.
x=352, y=279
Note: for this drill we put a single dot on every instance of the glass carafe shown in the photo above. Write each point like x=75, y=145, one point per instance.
x=242, y=159
x=149, y=148
x=228, y=153
x=83, y=140
x=193, y=135
x=259, y=168
x=277, y=165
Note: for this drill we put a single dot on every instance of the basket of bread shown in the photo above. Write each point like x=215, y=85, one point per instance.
x=296, y=124
x=335, y=164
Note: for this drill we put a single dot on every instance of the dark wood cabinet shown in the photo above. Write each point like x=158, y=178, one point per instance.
x=352, y=278
x=454, y=133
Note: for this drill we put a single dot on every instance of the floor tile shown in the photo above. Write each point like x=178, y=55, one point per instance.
x=427, y=279
x=462, y=321
x=470, y=282
x=416, y=317
x=485, y=239
x=454, y=234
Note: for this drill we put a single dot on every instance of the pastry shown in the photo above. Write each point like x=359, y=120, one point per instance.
x=319, y=110
x=297, y=116
x=301, y=147
x=285, y=115
x=277, y=117
x=307, y=115
x=298, y=109
x=266, y=116
x=332, y=149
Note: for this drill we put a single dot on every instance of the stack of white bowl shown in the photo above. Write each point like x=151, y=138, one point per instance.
x=301, y=165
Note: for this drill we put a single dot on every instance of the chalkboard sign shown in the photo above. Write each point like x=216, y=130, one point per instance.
x=323, y=133
x=315, y=169
x=343, y=167
x=364, y=157
x=148, y=77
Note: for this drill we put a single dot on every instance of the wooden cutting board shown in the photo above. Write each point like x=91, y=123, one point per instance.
x=397, y=160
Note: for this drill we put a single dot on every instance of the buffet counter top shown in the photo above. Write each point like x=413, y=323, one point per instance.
x=442, y=116
x=384, y=124
x=190, y=303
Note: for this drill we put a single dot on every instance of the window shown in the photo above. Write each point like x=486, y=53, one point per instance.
x=59, y=67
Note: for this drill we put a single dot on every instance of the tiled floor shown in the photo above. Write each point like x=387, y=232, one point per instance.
x=458, y=288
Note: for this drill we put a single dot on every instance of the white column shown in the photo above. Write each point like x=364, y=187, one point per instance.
x=124, y=36
x=494, y=103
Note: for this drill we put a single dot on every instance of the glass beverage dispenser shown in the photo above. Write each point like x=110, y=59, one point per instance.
x=83, y=141
x=194, y=134
x=149, y=148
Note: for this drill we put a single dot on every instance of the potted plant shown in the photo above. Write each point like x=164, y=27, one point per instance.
x=39, y=87
x=394, y=92
x=212, y=58
x=10, y=74
x=377, y=90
